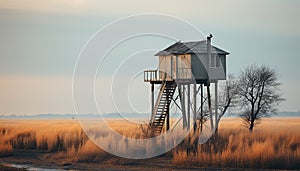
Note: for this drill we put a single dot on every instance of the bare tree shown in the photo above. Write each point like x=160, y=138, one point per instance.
x=227, y=97
x=258, y=90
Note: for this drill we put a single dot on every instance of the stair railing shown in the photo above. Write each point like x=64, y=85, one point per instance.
x=159, y=95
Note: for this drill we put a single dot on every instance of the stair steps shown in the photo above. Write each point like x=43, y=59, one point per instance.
x=161, y=109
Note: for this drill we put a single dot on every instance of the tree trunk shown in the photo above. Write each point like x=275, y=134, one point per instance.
x=201, y=125
x=251, y=125
x=216, y=134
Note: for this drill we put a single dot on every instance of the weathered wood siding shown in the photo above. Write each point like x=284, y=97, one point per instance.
x=169, y=64
x=190, y=66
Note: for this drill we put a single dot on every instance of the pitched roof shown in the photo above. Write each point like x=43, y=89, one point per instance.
x=179, y=48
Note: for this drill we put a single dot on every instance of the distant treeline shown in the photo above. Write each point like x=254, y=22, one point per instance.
x=116, y=115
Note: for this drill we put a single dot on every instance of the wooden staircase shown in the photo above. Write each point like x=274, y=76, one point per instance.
x=161, y=108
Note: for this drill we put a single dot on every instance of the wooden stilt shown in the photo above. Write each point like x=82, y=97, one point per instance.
x=182, y=102
x=209, y=106
x=216, y=104
x=195, y=105
x=188, y=107
x=201, y=108
x=184, y=107
x=152, y=99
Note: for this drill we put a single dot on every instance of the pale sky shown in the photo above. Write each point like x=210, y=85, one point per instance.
x=41, y=40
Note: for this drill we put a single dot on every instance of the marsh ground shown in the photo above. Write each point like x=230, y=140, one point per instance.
x=61, y=144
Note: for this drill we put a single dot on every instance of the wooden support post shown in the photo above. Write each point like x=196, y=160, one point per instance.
x=201, y=100
x=216, y=104
x=182, y=102
x=172, y=67
x=209, y=106
x=189, y=107
x=195, y=104
x=201, y=108
x=177, y=68
x=184, y=108
x=152, y=100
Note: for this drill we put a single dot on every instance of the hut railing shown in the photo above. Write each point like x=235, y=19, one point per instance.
x=157, y=75
x=154, y=75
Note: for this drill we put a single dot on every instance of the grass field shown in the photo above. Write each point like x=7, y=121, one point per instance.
x=274, y=144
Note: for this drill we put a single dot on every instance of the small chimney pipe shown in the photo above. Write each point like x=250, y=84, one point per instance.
x=209, y=55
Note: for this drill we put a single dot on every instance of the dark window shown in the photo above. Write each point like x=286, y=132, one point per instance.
x=215, y=60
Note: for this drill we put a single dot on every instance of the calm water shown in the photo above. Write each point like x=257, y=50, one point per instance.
x=32, y=168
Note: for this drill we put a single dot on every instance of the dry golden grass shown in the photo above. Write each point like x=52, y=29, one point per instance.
x=64, y=137
x=53, y=135
x=274, y=144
